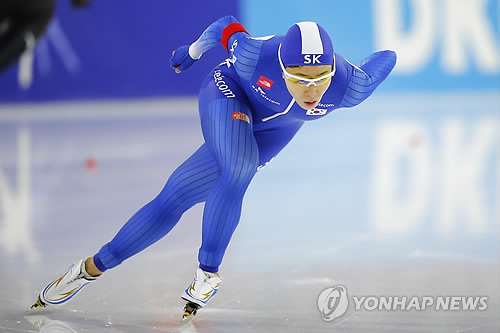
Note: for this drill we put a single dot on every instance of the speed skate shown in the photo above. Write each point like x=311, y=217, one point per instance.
x=203, y=288
x=65, y=287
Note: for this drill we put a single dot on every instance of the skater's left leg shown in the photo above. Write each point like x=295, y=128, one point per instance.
x=227, y=129
x=223, y=206
x=232, y=143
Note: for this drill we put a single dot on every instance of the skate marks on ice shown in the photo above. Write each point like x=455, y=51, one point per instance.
x=47, y=321
x=264, y=305
x=274, y=301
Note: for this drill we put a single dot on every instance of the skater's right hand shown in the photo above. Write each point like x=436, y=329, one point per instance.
x=181, y=60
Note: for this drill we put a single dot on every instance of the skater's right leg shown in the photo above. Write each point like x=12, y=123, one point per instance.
x=188, y=185
x=91, y=268
x=65, y=287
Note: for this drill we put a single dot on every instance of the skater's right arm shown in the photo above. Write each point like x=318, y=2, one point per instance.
x=220, y=31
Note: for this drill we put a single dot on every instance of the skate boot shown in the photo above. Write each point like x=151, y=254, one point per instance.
x=202, y=289
x=64, y=288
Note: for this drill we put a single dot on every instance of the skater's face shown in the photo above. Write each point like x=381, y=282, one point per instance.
x=308, y=92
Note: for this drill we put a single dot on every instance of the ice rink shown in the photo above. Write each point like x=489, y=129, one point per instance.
x=398, y=197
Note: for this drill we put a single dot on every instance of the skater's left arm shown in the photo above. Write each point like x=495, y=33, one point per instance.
x=365, y=78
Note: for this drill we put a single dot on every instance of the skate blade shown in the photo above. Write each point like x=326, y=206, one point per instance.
x=186, y=319
x=190, y=311
x=38, y=305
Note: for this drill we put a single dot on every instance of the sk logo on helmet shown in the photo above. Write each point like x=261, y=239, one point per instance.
x=313, y=60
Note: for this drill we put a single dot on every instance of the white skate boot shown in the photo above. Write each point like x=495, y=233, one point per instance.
x=64, y=288
x=200, y=291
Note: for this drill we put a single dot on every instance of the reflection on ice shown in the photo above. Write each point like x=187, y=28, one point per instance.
x=46, y=325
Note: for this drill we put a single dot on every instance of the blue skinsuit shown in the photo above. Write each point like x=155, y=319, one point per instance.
x=247, y=117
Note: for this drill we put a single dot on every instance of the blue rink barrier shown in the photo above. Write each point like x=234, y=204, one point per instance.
x=98, y=54
x=110, y=52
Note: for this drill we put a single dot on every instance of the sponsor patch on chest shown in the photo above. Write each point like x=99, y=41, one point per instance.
x=265, y=83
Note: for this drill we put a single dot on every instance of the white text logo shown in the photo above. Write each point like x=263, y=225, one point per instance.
x=221, y=84
x=460, y=28
x=313, y=60
x=333, y=303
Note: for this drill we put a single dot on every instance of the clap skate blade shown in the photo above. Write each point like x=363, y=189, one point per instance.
x=190, y=311
x=38, y=305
